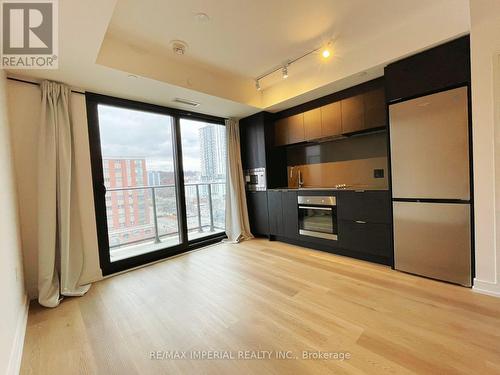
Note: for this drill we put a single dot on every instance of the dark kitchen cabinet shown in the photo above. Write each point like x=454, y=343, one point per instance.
x=295, y=128
x=364, y=111
x=257, y=134
x=258, y=214
x=275, y=208
x=365, y=224
x=357, y=109
x=331, y=120
x=370, y=206
x=312, y=124
x=375, y=108
x=290, y=214
x=283, y=214
x=252, y=141
x=257, y=138
x=370, y=239
x=353, y=114
x=281, y=132
x=289, y=130
x=439, y=68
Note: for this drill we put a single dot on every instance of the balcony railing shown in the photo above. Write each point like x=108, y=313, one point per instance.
x=204, y=211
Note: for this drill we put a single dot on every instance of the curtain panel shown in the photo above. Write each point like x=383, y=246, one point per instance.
x=60, y=252
x=237, y=223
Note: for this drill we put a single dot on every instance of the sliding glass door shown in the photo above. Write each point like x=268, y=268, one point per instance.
x=204, y=165
x=138, y=166
x=159, y=180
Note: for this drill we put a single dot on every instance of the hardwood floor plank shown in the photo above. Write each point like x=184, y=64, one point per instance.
x=266, y=296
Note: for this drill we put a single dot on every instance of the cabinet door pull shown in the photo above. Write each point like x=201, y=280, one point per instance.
x=360, y=222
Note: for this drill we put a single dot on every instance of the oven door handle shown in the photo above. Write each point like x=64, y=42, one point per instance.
x=316, y=208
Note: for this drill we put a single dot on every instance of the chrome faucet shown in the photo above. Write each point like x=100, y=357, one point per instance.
x=300, y=180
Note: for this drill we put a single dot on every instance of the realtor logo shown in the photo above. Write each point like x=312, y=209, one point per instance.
x=29, y=34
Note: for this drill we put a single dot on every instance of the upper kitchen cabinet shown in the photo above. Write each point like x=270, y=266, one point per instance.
x=331, y=120
x=375, y=108
x=357, y=109
x=353, y=114
x=436, y=69
x=296, y=128
x=364, y=111
x=257, y=138
x=252, y=140
x=289, y=130
x=281, y=132
x=312, y=124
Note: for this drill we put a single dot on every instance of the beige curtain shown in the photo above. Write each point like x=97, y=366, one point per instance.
x=237, y=224
x=60, y=253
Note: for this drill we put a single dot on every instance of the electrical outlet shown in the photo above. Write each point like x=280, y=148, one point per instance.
x=378, y=173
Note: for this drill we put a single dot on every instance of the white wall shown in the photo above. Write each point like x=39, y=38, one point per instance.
x=24, y=110
x=13, y=313
x=485, y=49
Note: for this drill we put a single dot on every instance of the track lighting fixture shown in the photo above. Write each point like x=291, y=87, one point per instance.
x=325, y=51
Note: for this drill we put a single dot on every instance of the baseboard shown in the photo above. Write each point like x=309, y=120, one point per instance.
x=16, y=354
x=486, y=287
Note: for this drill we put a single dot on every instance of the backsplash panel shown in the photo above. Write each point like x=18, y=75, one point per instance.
x=349, y=172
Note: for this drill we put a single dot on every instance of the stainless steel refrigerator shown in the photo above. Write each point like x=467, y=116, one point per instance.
x=429, y=140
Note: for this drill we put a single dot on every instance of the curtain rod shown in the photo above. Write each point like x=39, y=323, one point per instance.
x=37, y=84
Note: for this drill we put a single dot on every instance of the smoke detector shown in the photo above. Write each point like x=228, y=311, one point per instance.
x=202, y=17
x=179, y=47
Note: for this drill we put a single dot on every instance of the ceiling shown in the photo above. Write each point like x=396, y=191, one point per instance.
x=102, y=42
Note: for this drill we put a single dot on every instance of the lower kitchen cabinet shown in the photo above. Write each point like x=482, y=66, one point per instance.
x=258, y=212
x=369, y=206
x=290, y=214
x=275, y=208
x=283, y=214
x=363, y=221
x=370, y=239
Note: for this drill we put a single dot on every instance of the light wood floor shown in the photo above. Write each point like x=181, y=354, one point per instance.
x=270, y=296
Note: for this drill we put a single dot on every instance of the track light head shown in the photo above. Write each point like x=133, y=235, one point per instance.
x=257, y=85
x=284, y=71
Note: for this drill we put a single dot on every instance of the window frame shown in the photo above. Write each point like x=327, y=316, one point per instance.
x=99, y=190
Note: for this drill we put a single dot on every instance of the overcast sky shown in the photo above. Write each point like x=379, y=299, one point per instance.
x=135, y=134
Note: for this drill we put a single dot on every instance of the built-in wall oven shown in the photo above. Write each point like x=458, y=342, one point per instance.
x=318, y=216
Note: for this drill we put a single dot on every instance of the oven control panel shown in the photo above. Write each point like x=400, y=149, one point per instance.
x=317, y=200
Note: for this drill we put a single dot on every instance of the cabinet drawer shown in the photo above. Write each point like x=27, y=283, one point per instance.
x=369, y=206
x=365, y=238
